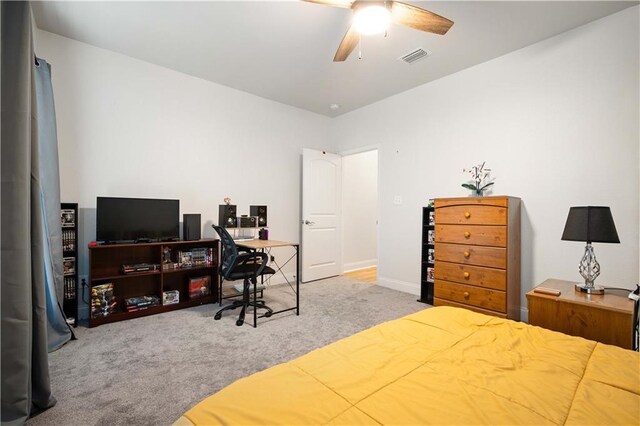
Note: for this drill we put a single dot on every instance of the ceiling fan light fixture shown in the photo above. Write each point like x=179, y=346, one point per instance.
x=369, y=20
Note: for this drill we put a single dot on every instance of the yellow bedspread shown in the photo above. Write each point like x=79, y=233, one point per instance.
x=439, y=366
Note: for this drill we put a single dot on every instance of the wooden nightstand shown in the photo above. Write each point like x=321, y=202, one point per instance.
x=606, y=318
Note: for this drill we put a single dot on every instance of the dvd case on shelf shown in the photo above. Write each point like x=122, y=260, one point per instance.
x=69, y=287
x=103, y=302
x=170, y=297
x=186, y=259
x=430, y=274
x=199, y=287
x=68, y=218
x=431, y=255
x=200, y=256
x=69, y=265
x=68, y=240
x=139, y=303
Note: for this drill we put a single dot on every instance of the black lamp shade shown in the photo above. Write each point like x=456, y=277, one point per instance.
x=591, y=224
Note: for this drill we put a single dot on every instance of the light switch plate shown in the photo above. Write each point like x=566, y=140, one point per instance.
x=397, y=200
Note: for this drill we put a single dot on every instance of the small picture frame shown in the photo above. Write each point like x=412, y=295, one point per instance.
x=199, y=287
x=431, y=236
x=432, y=218
x=68, y=218
x=431, y=255
x=69, y=265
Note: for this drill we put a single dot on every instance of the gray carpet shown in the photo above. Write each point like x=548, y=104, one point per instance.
x=151, y=370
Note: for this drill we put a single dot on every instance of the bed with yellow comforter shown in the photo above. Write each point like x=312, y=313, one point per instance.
x=439, y=366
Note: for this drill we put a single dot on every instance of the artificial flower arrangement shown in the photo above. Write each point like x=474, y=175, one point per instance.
x=478, y=174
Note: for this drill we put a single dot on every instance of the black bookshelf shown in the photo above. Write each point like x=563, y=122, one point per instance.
x=69, y=223
x=428, y=254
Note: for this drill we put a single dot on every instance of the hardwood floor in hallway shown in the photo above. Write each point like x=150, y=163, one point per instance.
x=367, y=275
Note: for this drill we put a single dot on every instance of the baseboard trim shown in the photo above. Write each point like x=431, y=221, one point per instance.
x=524, y=314
x=404, y=286
x=356, y=266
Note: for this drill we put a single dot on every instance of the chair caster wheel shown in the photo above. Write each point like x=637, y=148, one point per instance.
x=239, y=322
x=217, y=316
x=268, y=314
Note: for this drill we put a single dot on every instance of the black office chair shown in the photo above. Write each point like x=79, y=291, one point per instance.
x=248, y=266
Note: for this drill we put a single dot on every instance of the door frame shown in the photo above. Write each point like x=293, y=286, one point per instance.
x=360, y=150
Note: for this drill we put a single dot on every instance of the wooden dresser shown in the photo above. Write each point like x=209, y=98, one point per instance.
x=477, y=254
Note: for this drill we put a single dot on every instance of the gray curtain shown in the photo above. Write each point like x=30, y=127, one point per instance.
x=27, y=263
x=45, y=181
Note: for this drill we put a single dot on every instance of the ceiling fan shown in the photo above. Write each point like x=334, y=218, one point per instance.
x=374, y=17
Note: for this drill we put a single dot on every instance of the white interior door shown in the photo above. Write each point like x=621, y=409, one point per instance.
x=321, y=199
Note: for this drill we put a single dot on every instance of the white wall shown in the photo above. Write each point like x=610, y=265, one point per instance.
x=359, y=210
x=132, y=129
x=556, y=121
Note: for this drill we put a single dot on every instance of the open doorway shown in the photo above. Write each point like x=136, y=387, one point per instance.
x=360, y=215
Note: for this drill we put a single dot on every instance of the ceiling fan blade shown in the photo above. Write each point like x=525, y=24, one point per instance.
x=419, y=19
x=337, y=3
x=348, y=43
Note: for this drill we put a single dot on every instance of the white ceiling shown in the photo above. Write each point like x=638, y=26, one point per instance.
x=284, y=50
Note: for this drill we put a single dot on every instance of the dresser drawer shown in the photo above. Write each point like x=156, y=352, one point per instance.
x=473, y=275
x=472, y=215
x=443, y=302
x=469, y=295
x=494, y=257
x=478, y=235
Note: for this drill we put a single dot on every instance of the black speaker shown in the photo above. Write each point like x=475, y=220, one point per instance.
x=227, y=216
x=261, y=212
x=191, y=227
x=247, y=222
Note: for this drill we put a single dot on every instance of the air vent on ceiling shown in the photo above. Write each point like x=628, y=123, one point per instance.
x=415, y=56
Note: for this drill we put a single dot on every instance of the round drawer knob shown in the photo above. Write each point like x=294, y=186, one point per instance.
x=466, y=254
x=466, y=275
x=467, y=215
x=467, y=234
x=466, y=294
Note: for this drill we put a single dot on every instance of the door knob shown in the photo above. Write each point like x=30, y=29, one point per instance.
x=467, y=234
x=306, y=222
x=467, y=215
x=466, y=275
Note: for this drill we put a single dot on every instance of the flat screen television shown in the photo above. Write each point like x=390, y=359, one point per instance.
x=137, y=219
